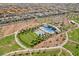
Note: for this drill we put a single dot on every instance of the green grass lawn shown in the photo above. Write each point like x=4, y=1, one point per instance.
x=52, y=52
x=27, y=38
x=30, y=38
x=73, y=48
x=8, y=44
x=74, y=35
x=49, y=52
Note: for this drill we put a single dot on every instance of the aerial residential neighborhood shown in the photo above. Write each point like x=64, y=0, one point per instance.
x=41, y=29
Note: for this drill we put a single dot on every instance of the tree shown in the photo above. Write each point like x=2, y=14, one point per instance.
x=77, y=46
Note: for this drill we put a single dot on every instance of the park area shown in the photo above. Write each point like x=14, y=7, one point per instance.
x=74, y=35
x=29, y=38
x=73, y=48
x=8, y=44
x=42, y=52
x=73, y=43
x=50, y=52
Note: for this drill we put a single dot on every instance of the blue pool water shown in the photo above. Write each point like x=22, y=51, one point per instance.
x=48, y=29
x=45, y=29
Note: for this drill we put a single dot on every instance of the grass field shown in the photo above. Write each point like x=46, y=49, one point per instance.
x=8, y=44
x=29, y=38
x=51, y=52
x=74, y=35
x=73, y=48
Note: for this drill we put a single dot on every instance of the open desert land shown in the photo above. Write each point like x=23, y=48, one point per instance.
x=11, y=28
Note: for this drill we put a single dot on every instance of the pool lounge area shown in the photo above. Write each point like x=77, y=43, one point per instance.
x=39, y=32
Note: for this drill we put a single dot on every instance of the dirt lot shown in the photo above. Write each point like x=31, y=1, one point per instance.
x=52, y=41
x=9, y=29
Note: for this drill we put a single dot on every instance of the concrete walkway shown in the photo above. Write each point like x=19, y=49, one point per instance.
x=18, y=42
x=30, y=50
x=68, y=51
x=60, y=52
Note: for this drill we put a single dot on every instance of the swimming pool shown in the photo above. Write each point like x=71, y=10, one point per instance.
x=47, y=30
